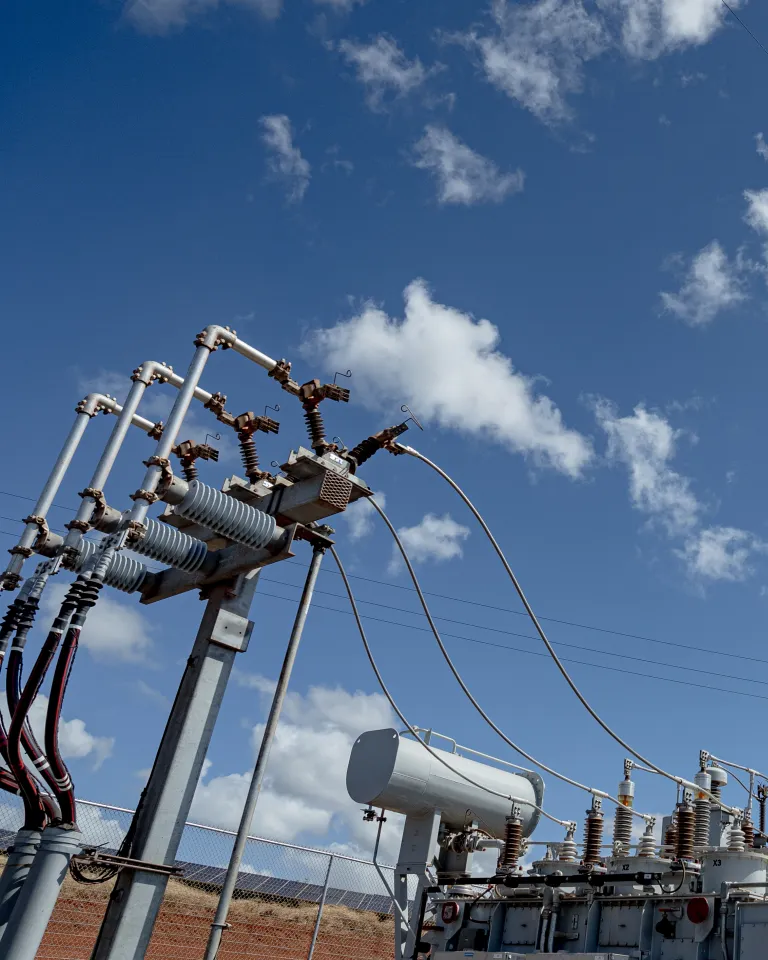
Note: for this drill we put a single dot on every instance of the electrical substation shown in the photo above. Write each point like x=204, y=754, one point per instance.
x=692, y=887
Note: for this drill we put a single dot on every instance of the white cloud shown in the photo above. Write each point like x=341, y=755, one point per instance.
x=115, y=629
x=761, y=146
x=463, y=176
x=712, y=284
x=151, y=693
x=536, y=52
x=650, y=28
x=305, y=787
x=383, y=68
x=164, y=16
x=447, y=366
x=721, y=553
x=757, y=210
x=361, y=516
x=645, y=443
x=433, y=538
x=75, y=741
x=285, y=161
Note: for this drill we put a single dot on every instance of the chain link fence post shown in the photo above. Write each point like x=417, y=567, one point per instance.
x=320, y=907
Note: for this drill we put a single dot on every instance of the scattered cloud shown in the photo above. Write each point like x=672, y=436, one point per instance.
x=361, y=516
x=160, y=17
x=651, y=28
x=462, y=175
x=712, y=284
x=761, y=146
x=156, y=696
x=305, y=793
x=115, y=629
x=757, y=210
x=433, y=538
x=413, y=359
x=536, y=52
x=691, y=79
x=722, y=553
x=383, y=69
x=645, y=443
x=664, y=120
x=75, y=741
x=285, y=161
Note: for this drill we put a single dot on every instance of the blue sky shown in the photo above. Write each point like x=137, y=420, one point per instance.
x=543, y=226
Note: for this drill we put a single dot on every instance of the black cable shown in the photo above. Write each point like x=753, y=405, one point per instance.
x=738, y=19
x=528, y=636
x=530, y=653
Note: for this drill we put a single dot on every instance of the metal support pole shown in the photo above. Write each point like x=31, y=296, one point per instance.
x=20, y=857
x=49, y=491
x=220, y=920
x=34, y=906
x=320, y=908
x=137, y=896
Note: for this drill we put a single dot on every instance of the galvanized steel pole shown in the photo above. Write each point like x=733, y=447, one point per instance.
x=227, y=891
x=138, y=894
x=320, y=908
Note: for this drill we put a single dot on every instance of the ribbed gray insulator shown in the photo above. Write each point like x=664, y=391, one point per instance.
x=736, y=839
x=568, y=849
x=622, y=827
x=124, y=573
x=169, y=545
x=647, y=845
x=703, y=810
x=226, y=516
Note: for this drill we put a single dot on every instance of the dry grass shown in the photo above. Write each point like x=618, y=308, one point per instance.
x=260, y=925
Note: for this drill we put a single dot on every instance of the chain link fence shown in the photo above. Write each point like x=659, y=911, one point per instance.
x=291, y=902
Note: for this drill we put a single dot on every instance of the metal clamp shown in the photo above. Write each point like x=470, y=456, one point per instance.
x=93, y=857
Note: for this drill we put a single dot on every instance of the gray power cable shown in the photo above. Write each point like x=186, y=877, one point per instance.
x=470, y=696
x=402, y=448
x=412, y=730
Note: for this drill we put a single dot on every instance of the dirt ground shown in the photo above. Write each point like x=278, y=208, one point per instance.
x=260, y=929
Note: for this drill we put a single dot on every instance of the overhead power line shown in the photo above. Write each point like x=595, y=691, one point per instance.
x=738, y=19
x=528, y=636
x=530, y=653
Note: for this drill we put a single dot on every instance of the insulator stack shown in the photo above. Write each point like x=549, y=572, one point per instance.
x=315, y=428
x=762, y=795
x=718, y=778
x=686, y=832
x=189, y=470
x=703, y=816
x=250, y=457
x=622, y=828
x=168, y=545
x=702, y=809
x=670, y=839
x=125, y=573
x=593, y=836
x=513, y=838
x=568, y=849
x=647, y=845
x=224, y=515
x=748, y=829
x=736, y=841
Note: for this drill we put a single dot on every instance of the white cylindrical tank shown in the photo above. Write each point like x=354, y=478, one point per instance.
x=397, y=773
